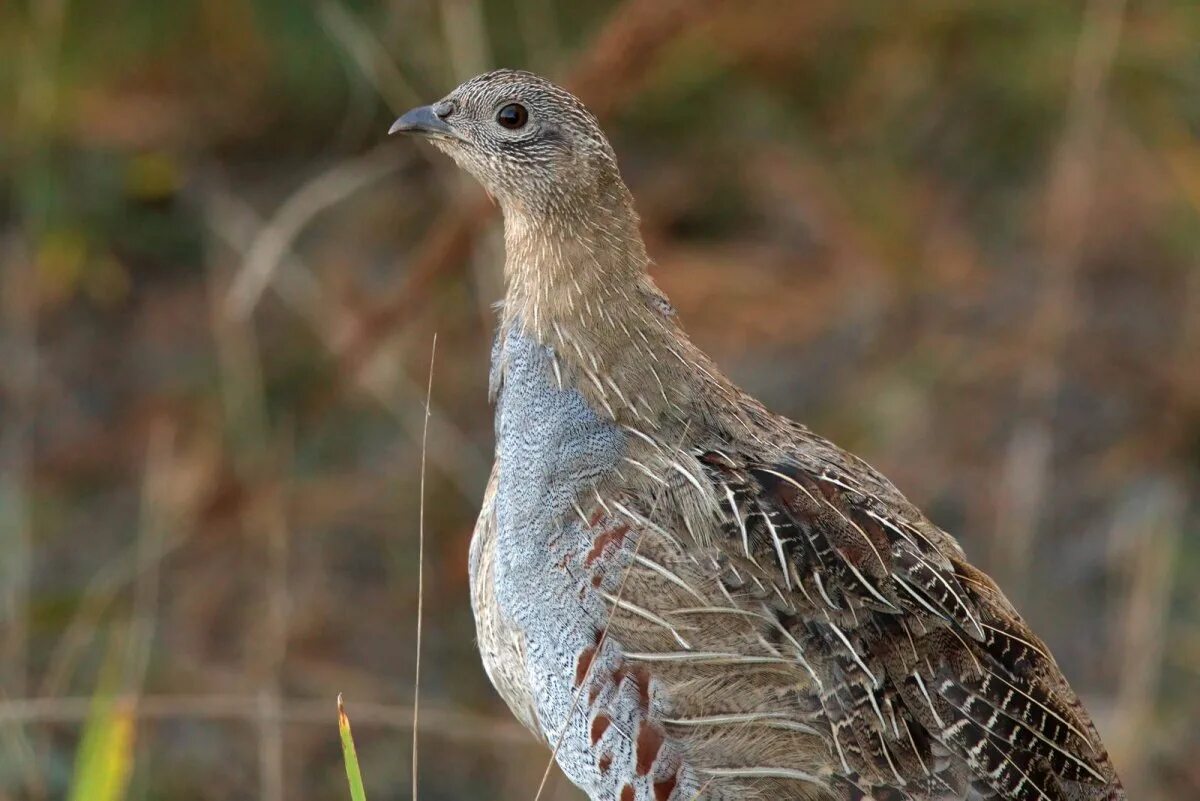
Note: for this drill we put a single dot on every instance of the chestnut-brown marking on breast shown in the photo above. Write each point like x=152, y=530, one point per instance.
x=614, y=536
x=584, y=663
x=627, y=793
x=649, y=743
x=605, y=762
x=664, y=788
x=640, y=675
x=600, y=724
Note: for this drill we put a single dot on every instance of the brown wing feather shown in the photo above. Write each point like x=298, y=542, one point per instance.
x=932, y=684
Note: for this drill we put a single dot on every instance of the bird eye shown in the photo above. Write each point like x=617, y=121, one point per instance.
x=513, y=116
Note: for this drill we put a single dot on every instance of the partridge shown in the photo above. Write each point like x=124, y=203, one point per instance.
x=685, y=595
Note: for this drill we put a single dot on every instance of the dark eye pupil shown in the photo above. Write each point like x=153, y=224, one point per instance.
x=512, y=116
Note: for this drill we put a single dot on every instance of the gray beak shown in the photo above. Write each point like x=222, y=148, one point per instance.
x=423, y=121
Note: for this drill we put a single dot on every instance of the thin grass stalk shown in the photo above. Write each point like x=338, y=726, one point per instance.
x=350, y=755
x=421, y=570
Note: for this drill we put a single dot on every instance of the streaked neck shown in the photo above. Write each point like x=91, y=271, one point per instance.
x=573, y=263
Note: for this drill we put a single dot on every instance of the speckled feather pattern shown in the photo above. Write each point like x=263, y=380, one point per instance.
x=697, y=598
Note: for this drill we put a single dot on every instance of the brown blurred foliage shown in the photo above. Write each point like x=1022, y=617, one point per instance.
x=961, y=239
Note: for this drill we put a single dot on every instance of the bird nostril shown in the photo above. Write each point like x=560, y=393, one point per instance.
x=443, y=109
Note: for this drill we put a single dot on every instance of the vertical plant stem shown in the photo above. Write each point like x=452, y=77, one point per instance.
x=1026, y=471
x=350, y=755
x=421, y=568
x=249, y=438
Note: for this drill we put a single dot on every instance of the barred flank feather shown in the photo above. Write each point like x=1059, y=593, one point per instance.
x=915, y=652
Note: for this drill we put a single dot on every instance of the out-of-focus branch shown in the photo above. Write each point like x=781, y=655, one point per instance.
x=612, y=69
x=368, y=54
x=18, y=350
x=452, y=725
x=274, y=239
x=264, y=515
x=157, y=516
x=607, y=74
x=235, y=223
x=1026, y=468
x=1146, y=539
x=542, y=40
x=18, y=407
x=38, y=85
x=465, y=36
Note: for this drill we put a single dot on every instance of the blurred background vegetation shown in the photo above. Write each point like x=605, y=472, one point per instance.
x=962, y=239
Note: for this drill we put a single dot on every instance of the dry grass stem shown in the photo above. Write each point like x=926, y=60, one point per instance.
x=451, y=725
x=469, y=52
x=1150, y=535
x=264, y=515
x=421, y=569
x=459, y=460
x=369, y=55
x=18, y=388
x=157, y=519
x=1027, y=465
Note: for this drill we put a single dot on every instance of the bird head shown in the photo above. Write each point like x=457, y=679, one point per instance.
x=531, y=144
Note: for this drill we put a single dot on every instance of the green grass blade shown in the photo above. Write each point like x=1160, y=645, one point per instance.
x=104, y=760
x=105, y=756
x=357, y=793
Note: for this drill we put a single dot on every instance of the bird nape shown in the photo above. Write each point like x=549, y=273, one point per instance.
x=685, y=595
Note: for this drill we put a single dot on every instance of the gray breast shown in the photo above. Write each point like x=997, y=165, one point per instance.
x=550, y=445
x=551, y=448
